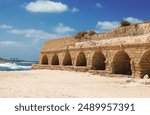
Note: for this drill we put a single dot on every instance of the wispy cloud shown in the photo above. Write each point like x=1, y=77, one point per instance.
x=74, y=9
x=109, y=25
x=46, y=6
x=4, y=26
x=33, y=33
x=99, y=5
x=9, y=43
x=62, y=29
x=133, y=20
x=59, y=30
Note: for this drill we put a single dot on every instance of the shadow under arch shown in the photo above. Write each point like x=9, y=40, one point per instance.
x=67, y=61
x=81, y=59
x=98, y=61
x=44, y=60
x=121, y=63
x=55, y=60
x=144, y=63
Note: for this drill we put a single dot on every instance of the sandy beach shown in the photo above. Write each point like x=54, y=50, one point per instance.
x=65, y=84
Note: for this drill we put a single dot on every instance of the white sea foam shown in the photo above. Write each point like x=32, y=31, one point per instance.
x=13, y=66
x=27, y=62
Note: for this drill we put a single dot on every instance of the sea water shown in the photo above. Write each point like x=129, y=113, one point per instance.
x=16, y=66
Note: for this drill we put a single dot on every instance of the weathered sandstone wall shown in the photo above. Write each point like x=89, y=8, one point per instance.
x=124, y=50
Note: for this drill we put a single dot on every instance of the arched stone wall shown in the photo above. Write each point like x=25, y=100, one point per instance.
x=73, y=57
x=44, y=60
x=98, y=61
x=89, y=54
x=121, y=63
x=81, y=59
x=67, y=61
x=55, y=60
x=118, y=60
x=144, y=63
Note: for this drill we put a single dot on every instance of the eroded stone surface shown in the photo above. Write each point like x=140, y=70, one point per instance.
x=124, y=50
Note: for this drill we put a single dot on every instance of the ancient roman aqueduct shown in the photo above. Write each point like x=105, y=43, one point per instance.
x=124, y=50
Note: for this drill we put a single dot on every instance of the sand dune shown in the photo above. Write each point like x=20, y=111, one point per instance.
x=58, y=84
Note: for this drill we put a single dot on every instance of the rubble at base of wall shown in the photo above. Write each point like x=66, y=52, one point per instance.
x=77, y=69
x=57, y=67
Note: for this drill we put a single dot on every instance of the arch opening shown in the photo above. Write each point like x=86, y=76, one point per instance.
x=121, y=63
x=98, y=61
x=144, y=64
x=67, y=61
x=81, y=59
x=55, y=60
x=44, y=60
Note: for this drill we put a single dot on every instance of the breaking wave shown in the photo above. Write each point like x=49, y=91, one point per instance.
x=15, y=66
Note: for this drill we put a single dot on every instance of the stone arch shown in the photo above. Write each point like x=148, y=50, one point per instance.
x=81, y=59
x=67, y=61
x=55, y=60
x=98, y=61
x=45, y=60
x=144, y=63
x=121, y=63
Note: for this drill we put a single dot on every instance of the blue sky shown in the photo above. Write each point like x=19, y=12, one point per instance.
x=26, y=24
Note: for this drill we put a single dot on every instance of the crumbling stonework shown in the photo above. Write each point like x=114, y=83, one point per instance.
x=124, y=50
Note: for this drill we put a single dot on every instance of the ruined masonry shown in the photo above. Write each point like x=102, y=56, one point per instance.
x=124, y=50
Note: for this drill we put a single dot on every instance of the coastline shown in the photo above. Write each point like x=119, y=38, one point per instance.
x=66, y=84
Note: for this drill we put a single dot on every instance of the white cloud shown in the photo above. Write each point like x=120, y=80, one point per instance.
x=3, y=26
x=9, y=43
x=33, y=33
x=106, y=25
x=46, y=6
x=61, y=29
x=133, y=20
x=74, y=9
x=36, y=34
x=99, y=5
